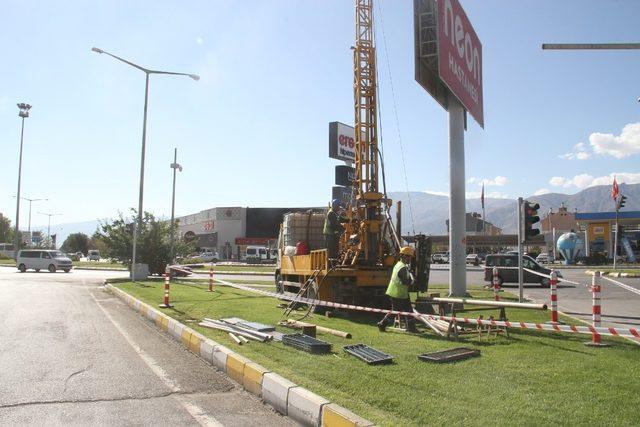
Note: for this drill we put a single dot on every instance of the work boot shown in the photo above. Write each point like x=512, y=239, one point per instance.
x=381, y=326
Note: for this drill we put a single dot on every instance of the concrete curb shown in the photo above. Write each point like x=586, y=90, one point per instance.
x=284, y=396
x=613, y=274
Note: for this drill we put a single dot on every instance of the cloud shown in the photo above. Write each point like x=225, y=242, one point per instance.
x=624, y=145
x=579, y=152
x=541, y=191
x=199, y=40
x=585, y=180
x=472, y=180
x=499, y=181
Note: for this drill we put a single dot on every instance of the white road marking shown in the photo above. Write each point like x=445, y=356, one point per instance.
x=196, y=412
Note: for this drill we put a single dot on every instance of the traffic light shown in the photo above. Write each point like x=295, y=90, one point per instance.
x=620, y=203
x=530, y=219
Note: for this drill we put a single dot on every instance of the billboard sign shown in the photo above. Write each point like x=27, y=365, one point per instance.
x=342, y=142
x=345, y=175
x=460, y=57
x=344, y=194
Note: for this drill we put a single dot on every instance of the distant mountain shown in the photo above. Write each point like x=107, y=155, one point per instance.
x=431, y=211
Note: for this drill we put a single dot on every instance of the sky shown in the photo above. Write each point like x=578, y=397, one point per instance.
x=254, y=130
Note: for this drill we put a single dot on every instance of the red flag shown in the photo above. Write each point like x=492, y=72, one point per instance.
x=482, y=196
x=614, y=189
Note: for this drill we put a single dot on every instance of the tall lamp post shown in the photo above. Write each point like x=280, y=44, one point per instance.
x=30, y=202
x=147, y=72
x=49, y=224
x=175, y=166
x=24, y=113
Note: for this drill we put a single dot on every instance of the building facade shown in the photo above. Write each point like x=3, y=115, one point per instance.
x=598, y=229
x=476, y=226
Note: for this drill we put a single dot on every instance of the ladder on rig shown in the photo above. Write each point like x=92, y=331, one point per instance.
x=302, y=292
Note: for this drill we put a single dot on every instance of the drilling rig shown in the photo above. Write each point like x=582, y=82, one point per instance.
x=370, y=244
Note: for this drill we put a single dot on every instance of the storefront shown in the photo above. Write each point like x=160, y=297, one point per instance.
x=598, y=229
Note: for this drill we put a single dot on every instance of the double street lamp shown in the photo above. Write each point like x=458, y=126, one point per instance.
x=23, y=113
x=176, y=167
x=147, y=72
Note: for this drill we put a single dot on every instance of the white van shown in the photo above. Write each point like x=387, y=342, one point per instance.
x=38, y=259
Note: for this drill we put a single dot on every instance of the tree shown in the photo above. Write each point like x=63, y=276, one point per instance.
x=154, y=241
x=6, y=232
x=76, y=242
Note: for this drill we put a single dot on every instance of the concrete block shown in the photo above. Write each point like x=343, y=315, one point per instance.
x=275, y=391
x=235, y=366
x=164, y=323
x=185, y=337
x=252, y=378
x=176, y=332
x=337, y=416
x=220, y=354
x=194, y=343
x=143, y=308
x=305, y=407
x=206, y=350
x=152, y=314
x=136, y=305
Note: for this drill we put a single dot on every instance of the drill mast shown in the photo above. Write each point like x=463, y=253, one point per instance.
x=366, y=213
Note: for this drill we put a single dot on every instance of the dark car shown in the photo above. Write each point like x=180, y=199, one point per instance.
x=508, y=272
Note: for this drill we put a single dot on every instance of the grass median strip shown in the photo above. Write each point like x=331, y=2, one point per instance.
x=531, y=377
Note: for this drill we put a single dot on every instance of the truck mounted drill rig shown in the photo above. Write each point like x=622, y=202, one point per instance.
x=370, y=244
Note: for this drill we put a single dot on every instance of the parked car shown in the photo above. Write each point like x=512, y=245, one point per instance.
x=543, y=258
x=93, y=255
x=508, y=272
x=209, y=256
x=75, y=256
x=43, y=259
x=440, y=258
x=473, y=259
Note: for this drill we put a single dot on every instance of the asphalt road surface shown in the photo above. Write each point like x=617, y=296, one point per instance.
x=73, y=354
x=620, y=307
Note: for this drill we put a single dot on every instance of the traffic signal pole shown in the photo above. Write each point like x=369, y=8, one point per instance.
x=615, y=243
x=521, y=235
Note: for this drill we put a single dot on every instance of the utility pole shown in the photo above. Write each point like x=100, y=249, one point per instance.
x=30, y=202
x=175, y=166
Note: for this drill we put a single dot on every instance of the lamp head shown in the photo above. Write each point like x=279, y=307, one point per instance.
x=24, y=109
x=194, y=77
x=97, y=50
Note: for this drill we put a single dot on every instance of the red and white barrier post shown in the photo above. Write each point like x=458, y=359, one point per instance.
x=210, y=280
x=596, y=311
x=553, y=287
x=496, y=284
x=165, y=303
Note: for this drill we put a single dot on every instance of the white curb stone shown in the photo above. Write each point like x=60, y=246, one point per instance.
x=275, y=391
x=220, y=357
x=206, y=350
x=304, y=406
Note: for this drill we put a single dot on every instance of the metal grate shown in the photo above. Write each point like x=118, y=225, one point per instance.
x=306, y=343
x=451, y=355
x=368, y=354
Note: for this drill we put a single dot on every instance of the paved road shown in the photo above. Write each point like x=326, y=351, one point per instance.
x=70, y=353
x=620, y=307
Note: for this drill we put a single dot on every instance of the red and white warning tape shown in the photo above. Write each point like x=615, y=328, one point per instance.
x=482, y=322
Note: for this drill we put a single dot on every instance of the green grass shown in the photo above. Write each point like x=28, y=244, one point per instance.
x=526, y=379
x=95, y=264
x=247, y=268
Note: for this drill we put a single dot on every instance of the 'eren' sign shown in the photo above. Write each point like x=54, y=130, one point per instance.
x=460, y=57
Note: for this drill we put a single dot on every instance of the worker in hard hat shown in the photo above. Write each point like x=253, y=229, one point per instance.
x=398, y=290
x=333, y=229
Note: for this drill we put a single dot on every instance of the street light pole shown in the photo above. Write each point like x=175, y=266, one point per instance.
x=31, y=201
x=24, y=113
x=49, y=224
x=147, y=72
x=175, y=166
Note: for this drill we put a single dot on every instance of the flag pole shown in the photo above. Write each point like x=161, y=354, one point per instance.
x=484, y=219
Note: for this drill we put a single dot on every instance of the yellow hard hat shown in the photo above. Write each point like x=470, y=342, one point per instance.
x=407, y=250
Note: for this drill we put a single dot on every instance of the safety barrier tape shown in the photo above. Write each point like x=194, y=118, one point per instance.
x=548, y=276
x=480, y=322
x=623, y=286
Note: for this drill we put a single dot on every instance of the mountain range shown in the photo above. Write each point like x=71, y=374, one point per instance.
x=430, y=211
